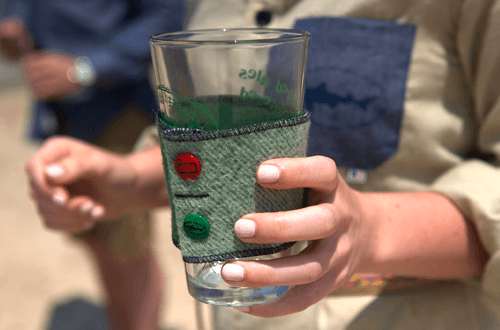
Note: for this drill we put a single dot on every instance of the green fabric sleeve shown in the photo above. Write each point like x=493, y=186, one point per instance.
x=205, y=208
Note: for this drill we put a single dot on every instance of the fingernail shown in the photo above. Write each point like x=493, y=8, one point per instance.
x=54, y=171
x=85, y=208
x=243, y=309
x=232, y=272
x=59, y=199
x=244, y=228
x=97, y=212
x=87, y=225
x=268, y=174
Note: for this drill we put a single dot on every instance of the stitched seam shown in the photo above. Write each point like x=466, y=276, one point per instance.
x=176, y=243
x=178, y=134
x=237, y=254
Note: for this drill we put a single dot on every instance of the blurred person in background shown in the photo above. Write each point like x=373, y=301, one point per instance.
x=87, y=64
x=403, y=214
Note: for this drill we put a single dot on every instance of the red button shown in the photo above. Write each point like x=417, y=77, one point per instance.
x=187, y=166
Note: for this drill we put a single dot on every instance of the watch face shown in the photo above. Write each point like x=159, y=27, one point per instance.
x=84, y=72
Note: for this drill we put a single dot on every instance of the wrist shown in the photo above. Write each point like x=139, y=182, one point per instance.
x=149, y=182
x=372, y=233
x=133, y=162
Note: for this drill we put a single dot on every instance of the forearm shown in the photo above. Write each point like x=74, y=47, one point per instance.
x=150, y=178
x=422, y=234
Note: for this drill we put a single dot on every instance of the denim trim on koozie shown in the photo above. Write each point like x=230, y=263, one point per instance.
x=239, y=254
x=195, y=134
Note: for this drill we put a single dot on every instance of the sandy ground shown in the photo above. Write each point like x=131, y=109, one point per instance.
x=40, y=269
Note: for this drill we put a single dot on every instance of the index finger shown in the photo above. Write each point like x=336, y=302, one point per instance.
x=50, y=153
x=317, y=172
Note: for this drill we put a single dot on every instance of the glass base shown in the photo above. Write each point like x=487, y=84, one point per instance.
x=206, y=285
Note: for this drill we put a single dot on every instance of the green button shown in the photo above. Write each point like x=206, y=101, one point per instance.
x=196, y=226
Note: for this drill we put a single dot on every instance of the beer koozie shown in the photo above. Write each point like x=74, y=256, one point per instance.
x=211, y=182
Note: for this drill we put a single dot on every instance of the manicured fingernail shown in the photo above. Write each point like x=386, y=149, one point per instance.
x=244, y=228
x=232, y=272
x=243, y=309
x=85, y=208
x=87, y=225
x=97, y=212
x=268, y=174
x=59, y=199
x=54, y=171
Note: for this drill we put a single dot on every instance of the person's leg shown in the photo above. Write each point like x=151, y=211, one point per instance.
x=131, y=275
x=133, y=286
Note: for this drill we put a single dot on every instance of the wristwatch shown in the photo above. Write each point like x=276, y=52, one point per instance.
x=82, y=72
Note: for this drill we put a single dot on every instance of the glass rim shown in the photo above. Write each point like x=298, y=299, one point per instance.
x=178, y=38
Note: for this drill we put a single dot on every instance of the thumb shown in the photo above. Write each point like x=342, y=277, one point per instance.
x=70, y=170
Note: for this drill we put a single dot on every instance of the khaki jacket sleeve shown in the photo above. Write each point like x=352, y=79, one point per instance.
x=148, y=138
x=475, y=184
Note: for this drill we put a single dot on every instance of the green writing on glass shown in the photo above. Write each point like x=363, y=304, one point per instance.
x=231, y=111
x=216, y=112
x=280, y=88
x=177, y=103
x=252, y=74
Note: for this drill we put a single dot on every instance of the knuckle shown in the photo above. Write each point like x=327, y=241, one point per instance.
x=344, y=212
x=328, y=226
x=330, y=169
x=327, y=175
x=328, y=165
x=71, y=164
x=315, y=272
x=278, y=228
x=53, y=141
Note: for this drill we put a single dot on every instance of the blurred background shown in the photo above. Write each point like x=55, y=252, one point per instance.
x=46, y=280
x=44, y=276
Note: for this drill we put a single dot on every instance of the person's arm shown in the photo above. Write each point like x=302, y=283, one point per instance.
x=422, y=234
x=15, y=41
x=150, y=183
x=126, y=58
x=75, y=184
x=416, y=234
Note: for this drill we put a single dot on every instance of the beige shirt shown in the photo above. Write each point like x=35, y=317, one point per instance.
x=451, y=111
